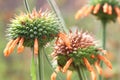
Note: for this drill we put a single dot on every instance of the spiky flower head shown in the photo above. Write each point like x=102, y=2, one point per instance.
x=79, y=49
x=105, y=10
x=32, y=30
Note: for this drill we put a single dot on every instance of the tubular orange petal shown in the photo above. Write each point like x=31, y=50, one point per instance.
x=107, y=62
x=87, y=64
x=117, y=10
x=109, y=9
x=99, y=69
x=36, y=46
x=118, y=18
x=53, y=76
x=88, y=11
x=13, y=45
x=65, y=39
x=96, y=9
x=93, y=56
x=67, y=65
x=7, y=47
x=69, y=74
x=93, y=75
x=80, y=13
x=20, y=45
x=103, y=51
x=105, y=8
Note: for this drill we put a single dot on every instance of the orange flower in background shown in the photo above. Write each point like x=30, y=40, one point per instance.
x=83, y=53
x=107, y=10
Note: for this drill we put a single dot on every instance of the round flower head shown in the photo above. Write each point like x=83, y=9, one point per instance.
x=78, y=49
x=31, y=30
x=105, y=10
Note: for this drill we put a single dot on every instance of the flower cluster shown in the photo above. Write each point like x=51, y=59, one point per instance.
x=31, y=30
x=78, y=49
x=105, y=10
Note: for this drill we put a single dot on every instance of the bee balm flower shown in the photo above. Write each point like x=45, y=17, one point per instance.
x=31, y=30
x=82, y=52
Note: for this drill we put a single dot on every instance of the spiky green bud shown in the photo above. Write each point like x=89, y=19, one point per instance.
x=41, y=25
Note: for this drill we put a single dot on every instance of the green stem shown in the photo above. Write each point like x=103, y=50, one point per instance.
x=103, y=43
x=27, y=6
x=41, y=64
x=79, y=74
x=58, y=13
x=104, y=35
x=33, y=69
x=83, y=73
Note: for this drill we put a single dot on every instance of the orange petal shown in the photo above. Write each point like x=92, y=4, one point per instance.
x=69, y=75
x=109, y=9
x=96, y=9
x=105, y=8
x=36, y=46
x=20, y=45
x=93, y=75
x=107, y=62
x=117, y=10
x=39, y=13
x=93, y=56
x=53, y=76
x=103, y=51
x=67, y=65
x=118, y=18
x=99, y=69
x=7, y=47
x=13, y=45
x=65, y=39
x=80, y=12
x=34, y=13
x=87, y=64
x=88, y=11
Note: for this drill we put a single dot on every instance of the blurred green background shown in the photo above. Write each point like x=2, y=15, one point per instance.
x=17, y=67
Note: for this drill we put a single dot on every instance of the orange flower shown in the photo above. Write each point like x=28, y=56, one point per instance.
x=83, y=53
x=103, y=10
x=27, y=29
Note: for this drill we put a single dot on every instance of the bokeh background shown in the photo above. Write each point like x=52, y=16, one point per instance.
x=17, y=67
